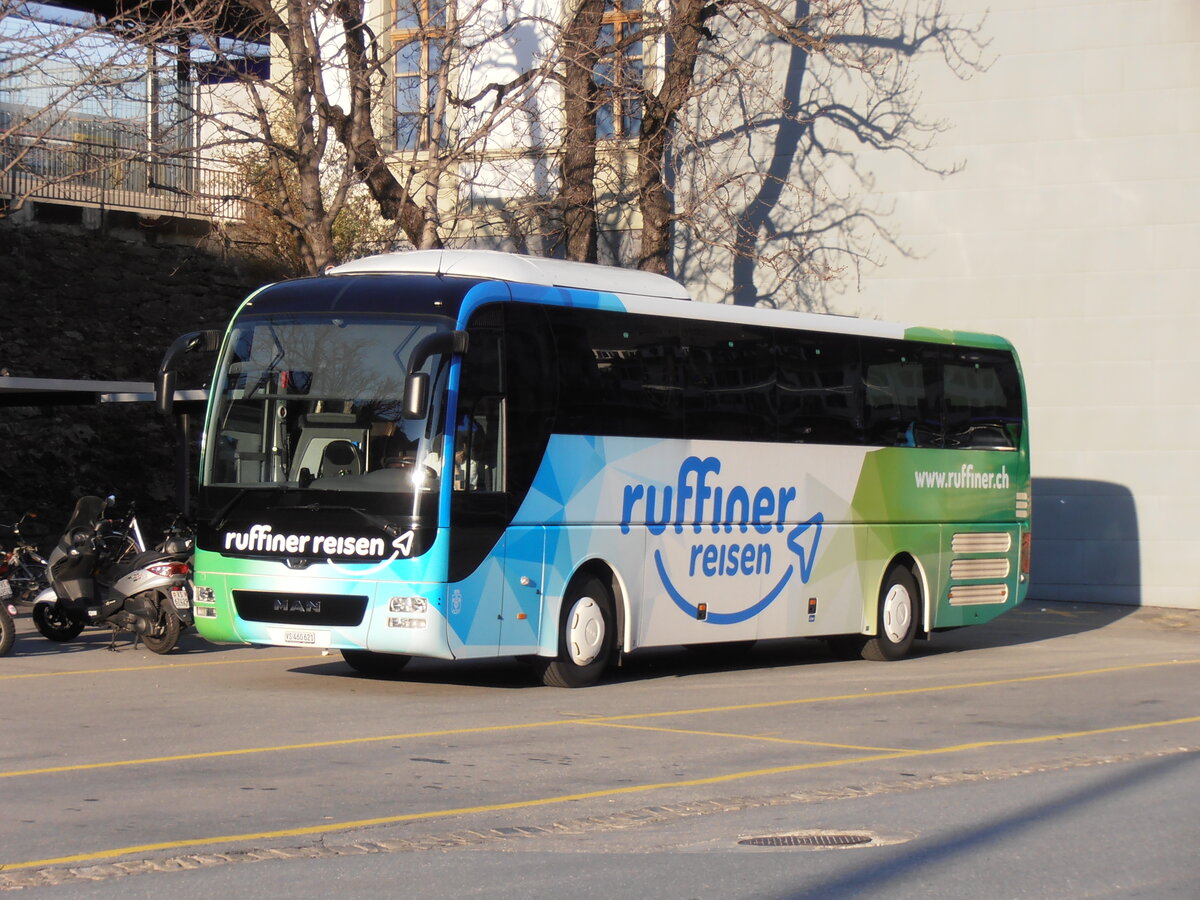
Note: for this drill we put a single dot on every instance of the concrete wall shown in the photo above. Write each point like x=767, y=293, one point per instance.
x=1075, y=230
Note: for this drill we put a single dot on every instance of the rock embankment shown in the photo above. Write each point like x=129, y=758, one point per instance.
x=86, y=305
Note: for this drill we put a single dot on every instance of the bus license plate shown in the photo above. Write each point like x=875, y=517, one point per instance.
x=301, y=637
x=180, y=598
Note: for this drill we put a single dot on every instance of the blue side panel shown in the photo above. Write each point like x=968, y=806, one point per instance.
x=506, y=606
x=476, y=605
x=575, y=477
x=533, y=293
x=524, y=589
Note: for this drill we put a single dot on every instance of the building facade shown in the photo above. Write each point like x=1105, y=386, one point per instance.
x=1073, y=229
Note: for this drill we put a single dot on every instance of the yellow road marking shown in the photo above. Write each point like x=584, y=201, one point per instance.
x=82, y=767
x=246, y=751
x=741, y=737
x=163, y=666
x=536, y=802
x=996, y=682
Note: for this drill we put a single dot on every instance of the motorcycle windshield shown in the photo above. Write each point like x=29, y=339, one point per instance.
x=311, y=402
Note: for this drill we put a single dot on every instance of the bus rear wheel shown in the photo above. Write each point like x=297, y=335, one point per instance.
x=380, y=665
x=896, y=625
x=585, y=636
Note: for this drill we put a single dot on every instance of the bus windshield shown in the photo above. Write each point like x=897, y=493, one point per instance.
x=313, y=402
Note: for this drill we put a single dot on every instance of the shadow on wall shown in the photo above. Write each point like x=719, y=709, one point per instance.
x=1085, y=542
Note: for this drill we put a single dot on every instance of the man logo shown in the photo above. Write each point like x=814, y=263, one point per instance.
x=295, y=604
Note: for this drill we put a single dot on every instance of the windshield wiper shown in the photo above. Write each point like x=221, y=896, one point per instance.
x=391, y=529
x=217, y=519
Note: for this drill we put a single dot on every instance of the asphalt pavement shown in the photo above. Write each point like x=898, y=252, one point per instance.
x=1054, y=752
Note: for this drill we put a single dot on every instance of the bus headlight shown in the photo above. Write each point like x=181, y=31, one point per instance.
x=205, y=595
x=408, y=605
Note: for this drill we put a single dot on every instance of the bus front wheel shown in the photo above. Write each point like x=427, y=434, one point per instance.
x=585, y=637
x=896, y=625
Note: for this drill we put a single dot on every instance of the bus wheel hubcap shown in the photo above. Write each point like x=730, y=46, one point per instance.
x=897, y=613
x=585, y=631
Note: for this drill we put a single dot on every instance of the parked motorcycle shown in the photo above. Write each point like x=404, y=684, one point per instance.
x=23, y=576
x=101, y=576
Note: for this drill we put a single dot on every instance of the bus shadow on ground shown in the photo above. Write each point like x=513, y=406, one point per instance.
x=658, y=662
x=1031, y=622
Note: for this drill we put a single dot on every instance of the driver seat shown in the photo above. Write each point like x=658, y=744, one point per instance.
x=339, y=458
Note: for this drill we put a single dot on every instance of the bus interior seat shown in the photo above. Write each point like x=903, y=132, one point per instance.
x=339, y=457
x=317, y=432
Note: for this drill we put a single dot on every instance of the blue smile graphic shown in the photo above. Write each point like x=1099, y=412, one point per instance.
x=805, y=559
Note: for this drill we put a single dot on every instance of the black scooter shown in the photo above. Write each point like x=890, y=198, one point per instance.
x=97, y=579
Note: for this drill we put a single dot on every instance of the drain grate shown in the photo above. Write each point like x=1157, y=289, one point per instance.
x=807, y=840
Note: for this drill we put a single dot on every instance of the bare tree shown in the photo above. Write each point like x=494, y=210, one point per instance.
x=765, y=166
x=753, y=118
x=314, y=138
x=323, y=122
x=581, y=97
x=740, y=152
x=74, y=88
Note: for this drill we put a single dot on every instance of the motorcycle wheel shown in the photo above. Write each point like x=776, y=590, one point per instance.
x=8, y=630
x=55, y=625
x=164, y=635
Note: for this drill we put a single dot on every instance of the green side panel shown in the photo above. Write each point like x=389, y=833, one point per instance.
x=964, y=338
x=914, y=501
x=219, y=629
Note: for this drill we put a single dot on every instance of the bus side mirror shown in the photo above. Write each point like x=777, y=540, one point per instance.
x=416, y=382
x=416, y=395
x=164, y=391
x=164, y=383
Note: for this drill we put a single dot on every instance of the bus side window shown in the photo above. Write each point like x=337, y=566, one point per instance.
x=902, y=382
x=729, y=382
x=475, y=449
x=480, y=425
x=982, y=400
x=530, y=404
x=819, y=388
x=625, y=373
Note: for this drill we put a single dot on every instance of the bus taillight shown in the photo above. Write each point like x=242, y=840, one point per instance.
x=1026, y=548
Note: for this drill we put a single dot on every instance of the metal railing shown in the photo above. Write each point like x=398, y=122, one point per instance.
x=93, y=174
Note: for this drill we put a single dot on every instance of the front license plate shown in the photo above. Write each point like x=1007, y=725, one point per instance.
x=301, y=637
x=180, y=598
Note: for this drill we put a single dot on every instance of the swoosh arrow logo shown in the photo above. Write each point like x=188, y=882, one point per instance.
x=805, y=555
x=402, y=547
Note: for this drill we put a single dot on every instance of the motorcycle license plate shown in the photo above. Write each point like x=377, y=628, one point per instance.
x=180, y=598
x=5, y=589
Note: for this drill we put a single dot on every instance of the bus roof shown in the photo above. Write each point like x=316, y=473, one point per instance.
x=645, y=292
x=525, y=269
